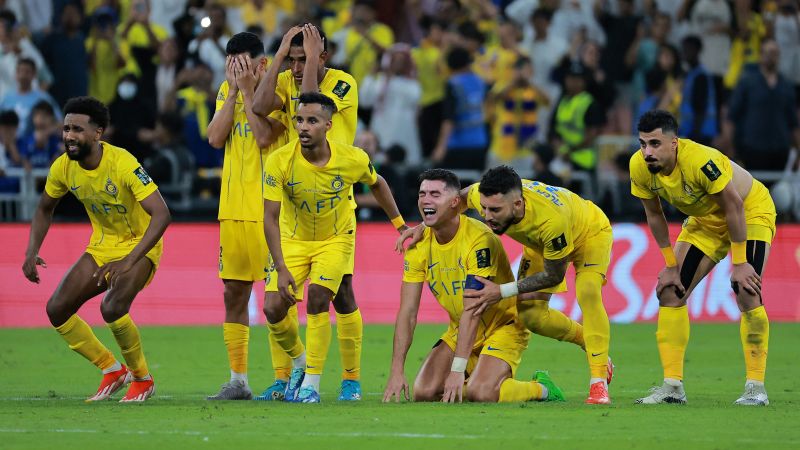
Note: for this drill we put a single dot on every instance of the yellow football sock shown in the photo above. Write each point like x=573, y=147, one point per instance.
x=130, y=342
x=545, y=321
x=672, y=337
x=281, y=361
x=512, y=390
x=754, y=330
x=318, y=339
x=286, y=333
x=236, y=338
x=81, y=338
x=350, y=332
x=596, y=329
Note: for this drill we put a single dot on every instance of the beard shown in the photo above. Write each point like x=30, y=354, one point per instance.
x=654, y=169
x=83, y=151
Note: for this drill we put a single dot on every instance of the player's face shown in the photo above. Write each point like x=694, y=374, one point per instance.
x=79, y=135
x=500, y=211
x=437, y=203
x=659, y=149
x=297, y=62
x=311, y=122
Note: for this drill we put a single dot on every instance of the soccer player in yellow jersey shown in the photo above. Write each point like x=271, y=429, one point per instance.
x=727, y=208
x=247, y=139
x=310, y=177
x=282, y=92
x=453, y=250
x=128, y=219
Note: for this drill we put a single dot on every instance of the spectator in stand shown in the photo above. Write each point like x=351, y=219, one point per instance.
x=787, y=34
x=587, y=54
x=763, y=114
x=194, y=101
x=546, y=50
x=642, y=56
x=26, y=95
x=698, y=110
x=65, y=53
x=668, y=61
x=712, y=21
x=106, y=56
x=42, y=145
x=13, y=47
x=209, y=45
x=169, y=65
x=9, y=153
x=142, y=38
x=576, y=17
x=363, y=40
x=128, y=122
x=431, y=74
x=749, y=31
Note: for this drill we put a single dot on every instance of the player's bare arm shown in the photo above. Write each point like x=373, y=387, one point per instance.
x=406, y=322
x=265, y=129
x=467, y=327
x=670, y=275
x=313, y=48
x=553, y=273
x=743, y=274
x=383, y=195
x=272, y=232
x=266, y=100
x=42, y=219
x=160, y=218
x=220, y=126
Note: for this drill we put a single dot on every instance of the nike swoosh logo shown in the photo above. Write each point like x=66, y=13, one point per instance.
x=311, y=367
x=74, y=188
x=322, y=278
x=596, y=354
x=590, y=265
x=349, y=370
x=431, y=266
x=293, y=183
x=490, y=348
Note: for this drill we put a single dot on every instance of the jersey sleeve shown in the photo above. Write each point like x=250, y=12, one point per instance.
x=484, y=252
x=56, y=184
x=557, y=238
x=414, y=265
x=222, y=94
x=640, y=177
x=368, y=175
x=135, y=178
x=474, y=197
x=274, y=175
x=714, y=173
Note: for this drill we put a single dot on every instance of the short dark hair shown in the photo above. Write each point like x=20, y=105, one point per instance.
x=310, y=98
x=90, y=106
x=458, y=58
x=9, y=118
x=245, y=42
x=43, y=106
x=693, y=41
x=297, y=40
x=500, y=180
x=28, y=61
x=450, y=179
x=655, y=119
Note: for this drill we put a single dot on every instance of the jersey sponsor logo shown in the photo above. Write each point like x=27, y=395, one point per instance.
x=559, y=243
x=270, y=180
x=337, y=184
x=711, y=170
x=143, y=176
x=111, y=188
x=484, y=257
x=341, y=89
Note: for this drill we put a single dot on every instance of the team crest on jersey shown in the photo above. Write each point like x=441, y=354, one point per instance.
x=688, y=189
x=483, y=257
x=111, y=188
x=143, y=176
x=341, y=89
x=711, y=170
x=405, y=266
x=270, y=181
x=337, y=184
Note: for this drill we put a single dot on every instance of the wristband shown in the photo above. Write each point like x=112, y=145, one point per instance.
x=398, y=222
x=669, y=256
x=509, y=289
x=739, y=252
x=459, y=365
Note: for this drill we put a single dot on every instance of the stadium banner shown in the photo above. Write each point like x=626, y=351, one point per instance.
x=187, y=291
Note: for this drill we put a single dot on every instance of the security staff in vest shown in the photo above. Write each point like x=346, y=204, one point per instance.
x=698, y=110
x=577, y=121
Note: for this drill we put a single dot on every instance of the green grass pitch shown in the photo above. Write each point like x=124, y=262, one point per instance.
x=43, y=386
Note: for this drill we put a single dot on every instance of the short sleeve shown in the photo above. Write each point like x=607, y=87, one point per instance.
x=715, y=173
x=474, y=197
x=414, y=266
x=222, y=94
x=640, y=178
x=56, y=184
x=483, y=254
x=368, y=174
x=557, y=238
x=273, y=178
x=135, y=178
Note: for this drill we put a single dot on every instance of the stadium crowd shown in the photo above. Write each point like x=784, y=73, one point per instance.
x=552, y=88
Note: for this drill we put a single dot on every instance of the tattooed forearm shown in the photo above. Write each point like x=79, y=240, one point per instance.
x=552, y=274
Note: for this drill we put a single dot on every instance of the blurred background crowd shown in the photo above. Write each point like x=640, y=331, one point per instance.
x=551, y=87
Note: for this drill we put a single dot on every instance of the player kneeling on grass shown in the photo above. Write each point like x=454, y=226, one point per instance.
x=453, y=250
x=128, y=219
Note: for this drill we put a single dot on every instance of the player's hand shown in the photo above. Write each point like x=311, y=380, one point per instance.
x=478, y=301
x=670, y=276
x=396, y=388
x=245, y=78
x=113, y=270
x=454, y=388
x=285, y=282
x=29, y=267
x=415, y=234
x=230, y=74
x=286, y=42
x=312, y=41
x=747, y=278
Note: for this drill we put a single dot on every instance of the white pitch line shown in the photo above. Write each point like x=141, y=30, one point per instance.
x=239, y=432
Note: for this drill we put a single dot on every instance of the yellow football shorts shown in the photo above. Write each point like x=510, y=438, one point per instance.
x=507, y=343
x=593, y=256
x=710, y=233
x=105, y=256
x=323, y=263
x=243, y=252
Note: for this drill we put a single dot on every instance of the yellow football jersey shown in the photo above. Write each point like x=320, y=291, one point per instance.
x=110, y=193
x=474, y=250
x=699, y=171
x=340, y=87
x=241, y=196
x=316, y=200
x=556, y=222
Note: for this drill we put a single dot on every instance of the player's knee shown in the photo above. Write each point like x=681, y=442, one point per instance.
x=274, y=309
x=345, y=300
x=57, y=312
x=236, y=297
x=587, y=289
x=533, y=313
x=669, y=298
x=481, y=391
x=112, y=309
